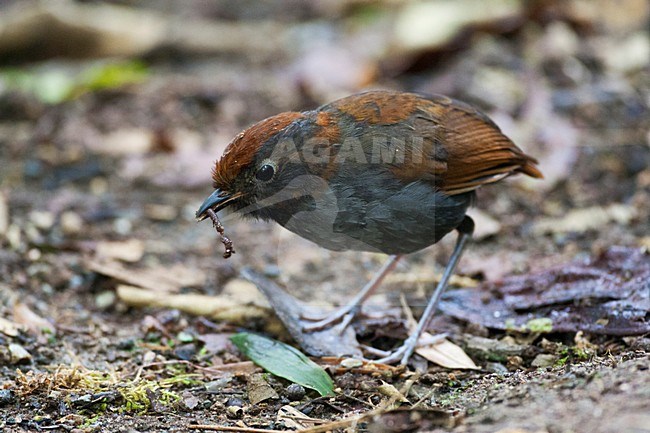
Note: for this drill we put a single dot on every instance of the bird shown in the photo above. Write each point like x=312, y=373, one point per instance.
x=382, y=171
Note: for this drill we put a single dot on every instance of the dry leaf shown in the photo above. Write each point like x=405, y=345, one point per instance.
x=448, y=355
x=294, y=419
x=390, y=391
x=259, y=389
x=8, y=327
x=36, y=324
x=159, y=279
x=127, y=251
x=581, y=220
x=125, y=141
x=431, y=25
x=215, y=307
x=445, y=354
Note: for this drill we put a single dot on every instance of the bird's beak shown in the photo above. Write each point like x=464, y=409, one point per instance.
x=216, y=201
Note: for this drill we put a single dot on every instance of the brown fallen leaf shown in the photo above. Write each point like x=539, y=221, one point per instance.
x=258, y=389
x=392, y=393
x=169, y=279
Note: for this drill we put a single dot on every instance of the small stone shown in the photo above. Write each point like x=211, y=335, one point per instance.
x=215, y=386
x=496, y=367
x=42, y=219
x=105, y=299
x=122, y=226
x=71, y=223
x=34, y=254
x=127, y=344
x=295, y=392
x=148, y=357
x=235, y=401
x=98, y=186
x=185, y=351
x=543, y=361
x=14, y=236
x=19, y=354
x=6, y=396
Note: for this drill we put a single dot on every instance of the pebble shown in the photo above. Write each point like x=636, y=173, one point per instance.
x=543, y=360
x=234, y=401
x=496, y=367
x=6, y=396
x=215, y=386
x=42, y=219
x=19, y=354
x=71, y=223
x=122, y=226
x=14, y=236
x=33, y=254
x=295, y=392
x=105, y=299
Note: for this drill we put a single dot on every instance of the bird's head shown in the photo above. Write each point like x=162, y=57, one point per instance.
x=256, y=164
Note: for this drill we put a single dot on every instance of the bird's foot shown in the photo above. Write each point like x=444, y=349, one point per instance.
x=390, y=357
x=342, y=317
x=404, y=352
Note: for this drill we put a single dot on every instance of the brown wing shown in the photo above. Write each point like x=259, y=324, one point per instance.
x=477, y=151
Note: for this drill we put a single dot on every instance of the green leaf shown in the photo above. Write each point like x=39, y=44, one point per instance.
x=542, y=324
x=112, y=75
x=284, y=361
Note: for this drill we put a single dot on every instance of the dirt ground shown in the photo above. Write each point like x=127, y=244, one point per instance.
x=116, y=305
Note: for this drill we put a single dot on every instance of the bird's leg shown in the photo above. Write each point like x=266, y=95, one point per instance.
x=346, y=313
x=465, y=230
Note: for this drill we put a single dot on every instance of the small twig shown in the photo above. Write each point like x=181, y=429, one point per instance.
x=358, y=400
x=321, y=400
x=424, y=397
x=225, y=240
x=305, y=419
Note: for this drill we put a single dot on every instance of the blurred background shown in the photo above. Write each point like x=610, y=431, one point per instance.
x=112, y=114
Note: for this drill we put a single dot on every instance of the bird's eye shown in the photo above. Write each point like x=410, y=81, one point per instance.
x=265, y=173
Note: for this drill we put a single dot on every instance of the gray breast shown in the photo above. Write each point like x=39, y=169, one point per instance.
x=389, y=220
